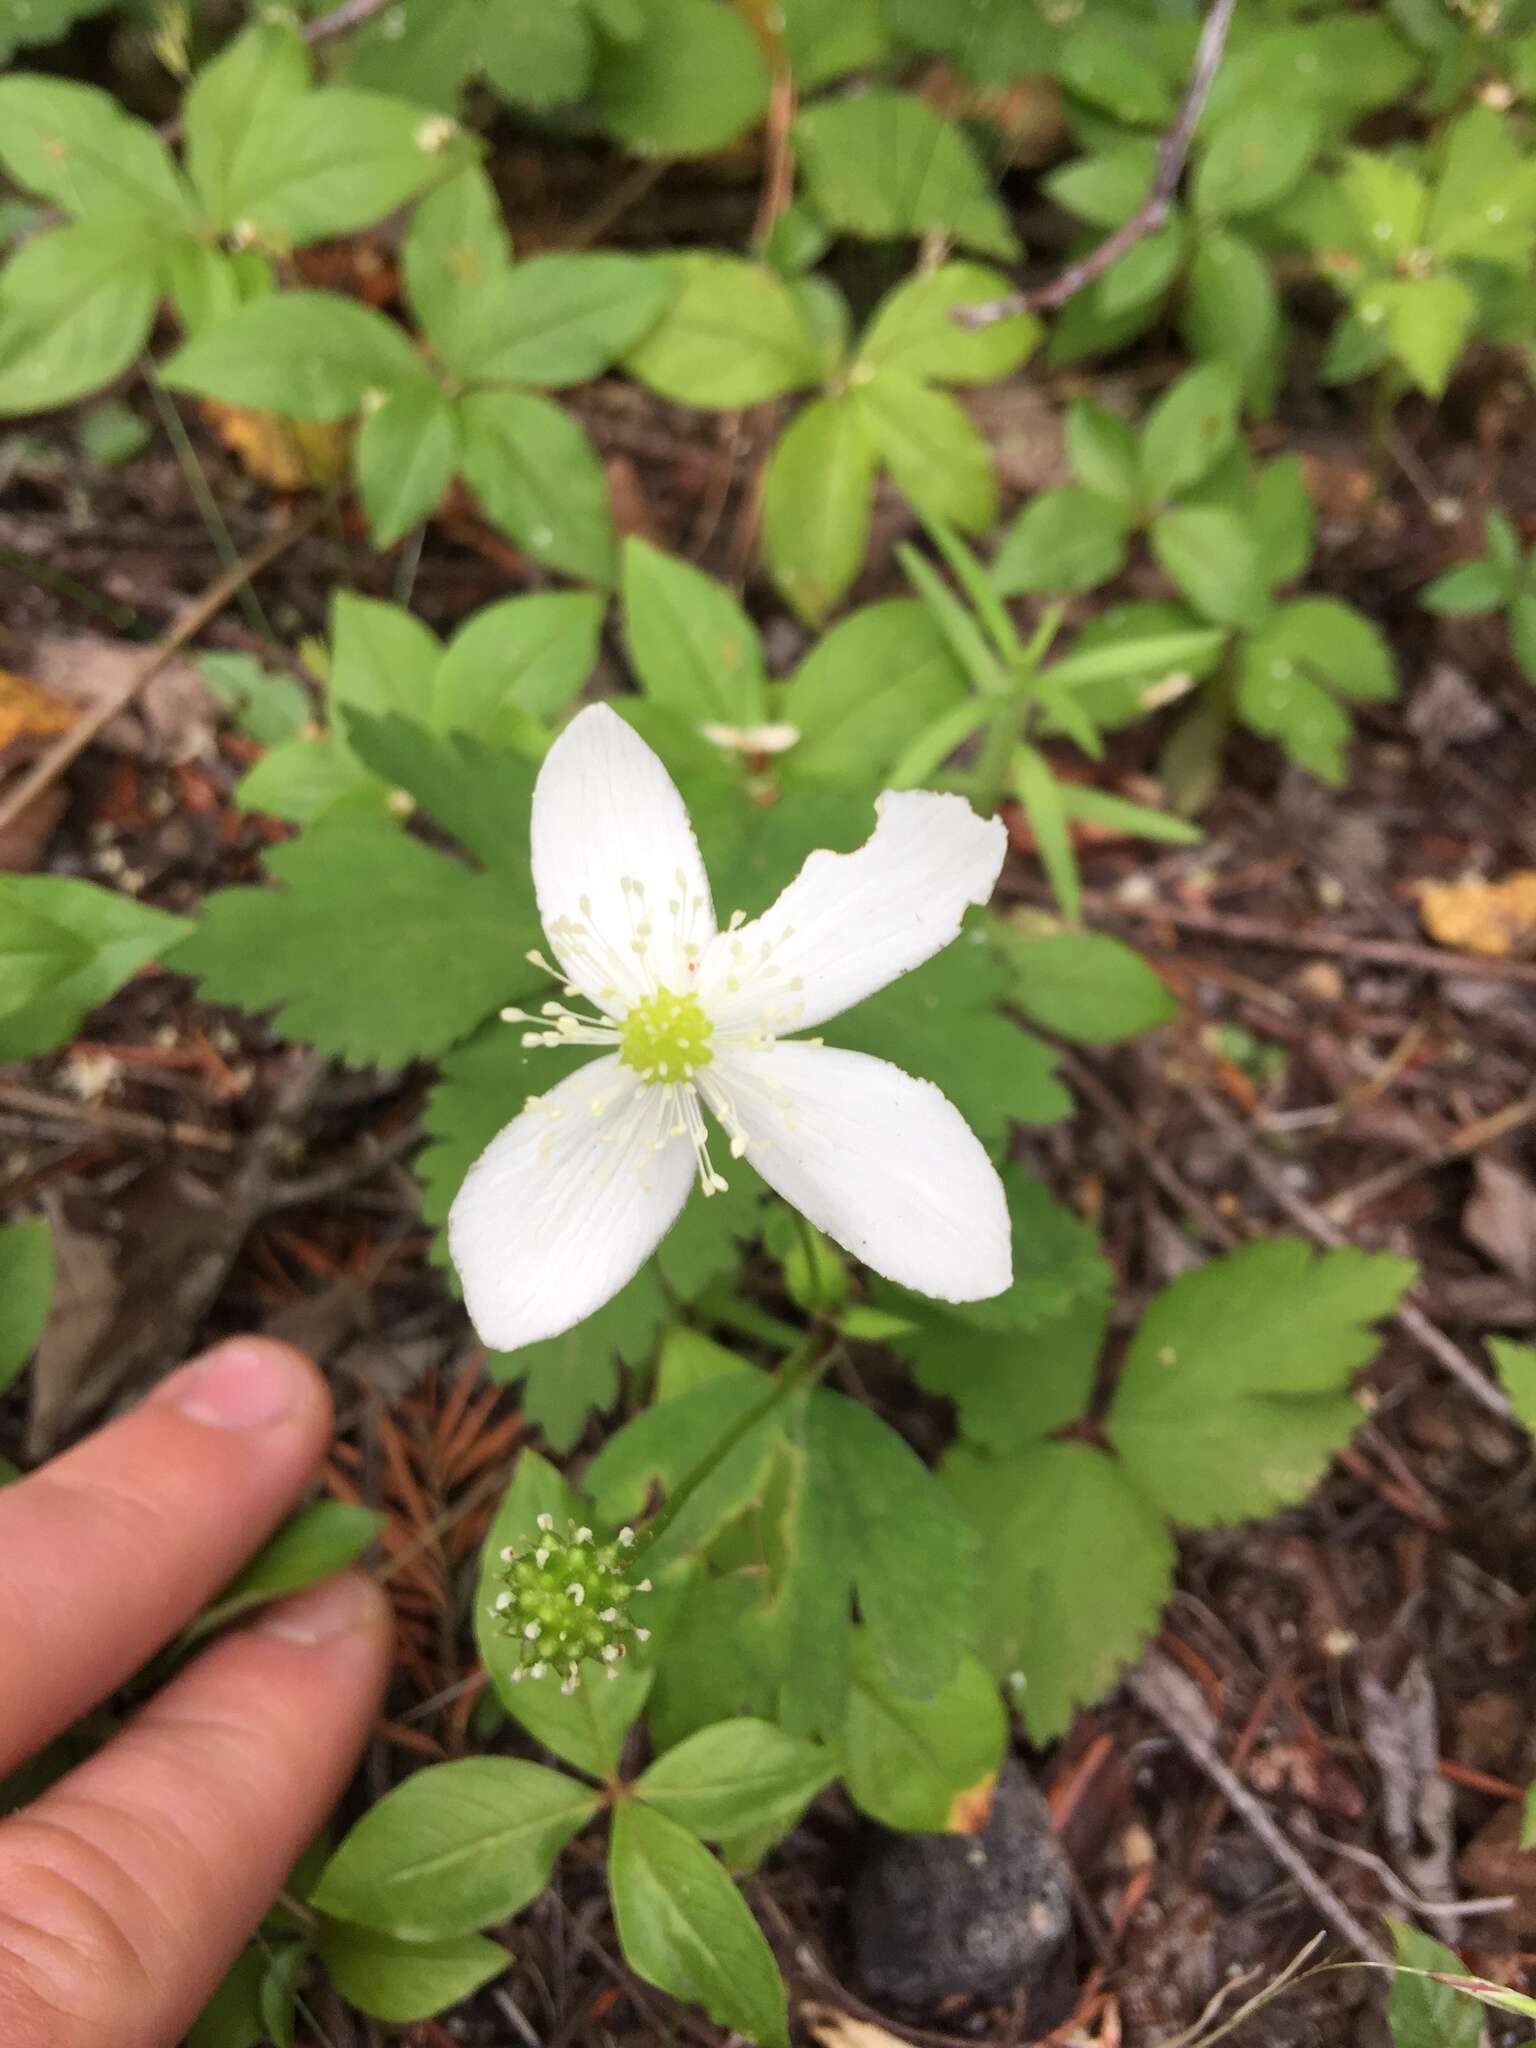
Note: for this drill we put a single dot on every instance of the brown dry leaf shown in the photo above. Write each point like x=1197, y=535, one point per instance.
x=28, y=710
x=24, y=840
x=1494, y=1865
x=1500, y=1218
x=87, y=1296
x=834, y=2029
x=171, y=719
x=290, y=455
x=1493, y=918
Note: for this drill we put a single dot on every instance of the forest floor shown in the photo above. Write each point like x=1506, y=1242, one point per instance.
x=1333, y=1072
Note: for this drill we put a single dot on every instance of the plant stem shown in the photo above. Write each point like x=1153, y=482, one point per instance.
x=1002, y=736
x=798, y=1370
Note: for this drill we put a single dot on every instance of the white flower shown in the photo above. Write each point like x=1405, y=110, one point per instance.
x=564, y=1206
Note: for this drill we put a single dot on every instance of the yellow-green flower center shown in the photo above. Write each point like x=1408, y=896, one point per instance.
x=665, y=1037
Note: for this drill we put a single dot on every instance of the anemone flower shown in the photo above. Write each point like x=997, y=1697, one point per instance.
x=564, y=1206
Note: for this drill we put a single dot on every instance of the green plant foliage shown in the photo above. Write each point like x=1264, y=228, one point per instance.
x=684, y=1927
x=1502, y=579
x=1516, y=1368
x=96, y=938
x=399, y=1981
x=887, y=163
x=1421, y=2011
x=735, y=1776
x=26, y=1291
x=314, y=1542
x=1087, y=986
x=922, y=1764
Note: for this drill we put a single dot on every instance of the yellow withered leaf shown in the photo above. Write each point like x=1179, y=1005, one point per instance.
x=290, y=455
x=1494, y=918
x=28, y=711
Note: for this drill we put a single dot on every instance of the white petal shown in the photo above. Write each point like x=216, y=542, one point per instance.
x=857, y=920
x=605, y=810
x=565, y=1204
x=883, y=1163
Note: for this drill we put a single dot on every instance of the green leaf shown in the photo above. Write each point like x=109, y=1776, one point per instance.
x=1422, y=2013
x=1087, y=986
x=865, y=686
x=1103, y=452
x=735, y=1776
x=816, y=505
x=269, y=704
x=1522, y=634
x=690, y=643
x=1109, y=67
x=75, y=146
x=326, y=162
x=661, y=1445
x=561, y=319
x=685, y=1928
x=1211, y=555
x=309, y=355
x=26, y=1290
x=1389, y=200
x=1036, y=788
x=1106, y=188
x=312, y=951
x=117, y=937
x=232, y=2017
x=1514, y=1363
x=1275, y=698
x=1254, y=156
x=400, y=1981
x=942, y=1021
x=76, y=307
x=733, y=336
x=1429, y=320
x=229, y=106
x=424, y=50
x=382, y=659
x=914, y=330
x=406, y=454
x=883, y=163
x=1234, y=1393
x=523, y=658
x=1076, y=1568
x=315, y=1541
x=1480, y=585
x=36, y=953
x=1337, y=644
x=1280, y=512
x=1231, y=309
x=1188, y=431
x=922, y=1765
x=536, y=55
x=1088, y=806
x=479, y=794
x=937, y=458
x=537, y=478
x=694, y=80
x=565, y=1378
x=455, y=253
x=1065, y=540
x=453, y=1848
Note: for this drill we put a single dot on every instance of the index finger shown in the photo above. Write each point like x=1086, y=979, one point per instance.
x=109, y=1549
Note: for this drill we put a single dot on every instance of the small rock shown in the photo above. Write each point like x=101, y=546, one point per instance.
x=986, y=1914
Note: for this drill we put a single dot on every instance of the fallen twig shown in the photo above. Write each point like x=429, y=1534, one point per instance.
x=1176, y=1702
x=1345, y=1206
x=1153, y=210
x=192, y=621
x=126, y=1123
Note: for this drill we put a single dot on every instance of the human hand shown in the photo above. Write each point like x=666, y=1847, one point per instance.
x=127, y=1888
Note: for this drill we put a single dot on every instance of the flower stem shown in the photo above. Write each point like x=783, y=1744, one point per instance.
x=798, y=1369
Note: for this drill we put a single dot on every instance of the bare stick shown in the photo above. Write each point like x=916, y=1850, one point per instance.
x=350, y=15
x=166, y=648
x=1153, y=210
x=1166, y=1693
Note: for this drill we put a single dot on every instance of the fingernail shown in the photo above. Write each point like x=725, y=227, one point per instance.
x=323, y=1612
x=245, y=1384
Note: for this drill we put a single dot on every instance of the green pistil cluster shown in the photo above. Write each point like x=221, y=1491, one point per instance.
x=567, y=1603
x=666, y=1036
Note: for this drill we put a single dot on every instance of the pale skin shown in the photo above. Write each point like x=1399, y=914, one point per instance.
x=128, y=1888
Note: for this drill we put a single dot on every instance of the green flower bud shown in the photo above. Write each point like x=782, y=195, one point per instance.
x=567, y=1603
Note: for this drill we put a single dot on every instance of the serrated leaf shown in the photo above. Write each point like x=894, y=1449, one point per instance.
x=737, y=1775
x=481, y=796
x=537, y=478
x=922, y=1765
x=118, y=936
x=377, y=948
x=309, y=355
x=1056, y=1261
x=863, y=688
x=685, y=1928
x=884, y=163
x=733, y=335
x=816, y=505
x=399, y=1981
x=26, y=1290
x=1076, y=1567
x=1234, y=1393
x=1011, y=1388
x=453, y=1848
x=914, y=330
x=691, y=644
